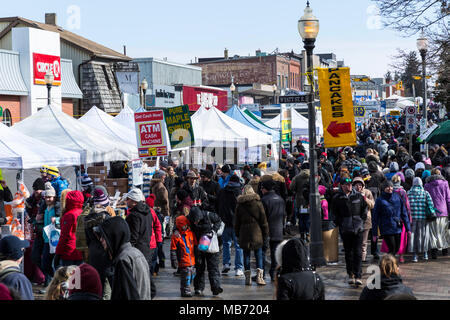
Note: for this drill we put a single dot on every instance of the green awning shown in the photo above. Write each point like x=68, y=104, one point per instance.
x=441, y=135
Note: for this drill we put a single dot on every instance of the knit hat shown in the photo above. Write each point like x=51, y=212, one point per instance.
x=206, y=173
x=417, y=182
x=393, y=167
x=235, y=178
x=135, y=194
x=38, y=184
x=386, y=184
x=419, y=165
x=364, y=172
x=49, y=190
x=409, y=173
x=89, y=281
x=163, y=164
x=86, y=181
x=11, y=248
x=226, y=169
x=391, y=153
x=322, y=190
x=426, y=174
x=5, y=294
x=257, y=172
x=159, y=174
x=100, y=198
x=372, y=166
x=43, y=169
x=53, y=171
x=151, y=200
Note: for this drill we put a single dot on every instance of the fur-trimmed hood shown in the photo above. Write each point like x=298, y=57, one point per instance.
x=266, y=177
x=434, y=177
x=278, y=177
x=248, y=197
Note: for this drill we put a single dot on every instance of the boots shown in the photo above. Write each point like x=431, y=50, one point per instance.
x=434, y=253
x=259, y=277
x=248, y=277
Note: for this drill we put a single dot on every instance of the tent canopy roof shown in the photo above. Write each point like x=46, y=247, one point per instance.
x=299, y=124
x=53, y=126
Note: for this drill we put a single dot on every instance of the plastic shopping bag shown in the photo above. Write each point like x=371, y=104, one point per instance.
x=53, y=235
x=214, y=245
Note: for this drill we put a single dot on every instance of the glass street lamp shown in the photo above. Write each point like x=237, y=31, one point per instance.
x=232, y=89
x=308, y=27
x=49, y=78
x=422, y=46
x=144, y=87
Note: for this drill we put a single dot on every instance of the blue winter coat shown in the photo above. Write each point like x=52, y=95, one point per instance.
x=59, y=185
x=388, y=211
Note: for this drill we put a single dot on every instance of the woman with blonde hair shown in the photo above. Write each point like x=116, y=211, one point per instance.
x=58, y=289
x=390, y=282
x=251, y=230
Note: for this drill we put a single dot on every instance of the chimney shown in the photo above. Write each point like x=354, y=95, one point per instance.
x=225, y=53
x=50, y=18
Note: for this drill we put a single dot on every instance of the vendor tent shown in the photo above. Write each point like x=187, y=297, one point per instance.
x=299, y=124
x=237, y=114
x=126, y=118
x=212, y=128
x=53, y=126
x=19, y=151
x=440, y=135
x=102, y=121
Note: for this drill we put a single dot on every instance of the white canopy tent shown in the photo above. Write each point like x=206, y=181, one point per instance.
x=126, y=118
x=53, y=126
x=299, y=124
x=104, y=122
x=19, y=151
x=213, y=128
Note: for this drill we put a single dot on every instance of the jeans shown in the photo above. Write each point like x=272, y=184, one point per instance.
x=258, y=256
x=353, y=253
x=228, y=237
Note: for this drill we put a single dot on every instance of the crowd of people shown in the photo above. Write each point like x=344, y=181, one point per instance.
x=373, y=191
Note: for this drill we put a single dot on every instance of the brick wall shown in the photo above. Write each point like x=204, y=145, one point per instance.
x=67, y=106
x=12, y=103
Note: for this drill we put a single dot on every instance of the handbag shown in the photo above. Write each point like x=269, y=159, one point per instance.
x=430, y=215
x=214, y=245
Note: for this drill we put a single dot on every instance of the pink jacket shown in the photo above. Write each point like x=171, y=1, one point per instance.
x=157, y=231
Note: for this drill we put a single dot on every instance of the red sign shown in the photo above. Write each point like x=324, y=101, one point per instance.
x=149, y=131
x=196, y=97
x=44, y=62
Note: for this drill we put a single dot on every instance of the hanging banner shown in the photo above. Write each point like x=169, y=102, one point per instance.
x=150, y=133
x=179, y=126
x=337, y=107
x=286, y=125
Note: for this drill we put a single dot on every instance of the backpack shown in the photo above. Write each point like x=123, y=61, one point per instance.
x=305, y=193
x=316, y=294
x=80, y=233
x=7, y=272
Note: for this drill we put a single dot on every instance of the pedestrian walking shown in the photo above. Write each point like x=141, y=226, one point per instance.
x=251, y=229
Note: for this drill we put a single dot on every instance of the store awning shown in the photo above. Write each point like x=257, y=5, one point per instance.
x=11, y=81
x=69, y=86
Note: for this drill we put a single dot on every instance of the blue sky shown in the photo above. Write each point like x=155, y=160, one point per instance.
x=182, y=30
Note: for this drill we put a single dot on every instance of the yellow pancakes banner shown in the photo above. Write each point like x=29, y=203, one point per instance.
x=337, y=107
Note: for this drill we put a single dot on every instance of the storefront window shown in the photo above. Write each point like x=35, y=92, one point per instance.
x=6, y=119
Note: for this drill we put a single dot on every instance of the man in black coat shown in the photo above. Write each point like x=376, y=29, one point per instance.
x=5, y=196
x=204, y=222
x=350, y=211
x=211, y=188
x=140, y=221
x=226, y=207
x=131, y=270
x=275, y=209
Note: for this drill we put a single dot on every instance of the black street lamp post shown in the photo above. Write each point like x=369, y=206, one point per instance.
x=422, y=46
x=308, y=27
x=49, y=78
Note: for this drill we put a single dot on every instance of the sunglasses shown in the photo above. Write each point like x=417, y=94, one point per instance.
x=346, y=181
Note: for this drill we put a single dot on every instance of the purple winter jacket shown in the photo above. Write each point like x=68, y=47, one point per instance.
x=439, y=191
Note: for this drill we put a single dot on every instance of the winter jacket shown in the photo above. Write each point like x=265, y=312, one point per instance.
x=439, y=191
x=251, y=226
x=224, y=181
x=59, y=184
x=161, y=194
x=49, y=213
x=388, y=213
x=383, y=148
x=296, y=280
x=67, y=241
x=275, y=209
x=227, y=201
x=212, y=189
x=5, y=196
x=182, y=245
x=97, y=257
x=197, y=193
x=11, y=277
x=131, y=279
x=203, y=222
x=419, y=200
x=254, y=182
x=403, y=194
x=351, y=163
x=297, y=185
x=140, y=221
x=389, y=286
x=280, y=185
x=349, y=211
x=156, y=232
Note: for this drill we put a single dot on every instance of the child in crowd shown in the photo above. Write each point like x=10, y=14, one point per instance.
x=182, y=254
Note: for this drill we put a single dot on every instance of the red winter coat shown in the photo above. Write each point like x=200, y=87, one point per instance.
x=157, y=230
x=67, y=241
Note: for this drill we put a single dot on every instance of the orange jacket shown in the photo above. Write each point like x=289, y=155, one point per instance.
x=183, y=243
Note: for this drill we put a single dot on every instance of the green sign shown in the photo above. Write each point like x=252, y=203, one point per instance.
x=179, y=126
x=1, y=112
